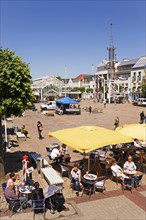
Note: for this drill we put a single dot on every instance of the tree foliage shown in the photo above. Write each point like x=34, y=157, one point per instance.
x=143, y=89
x=88, y=90
x=59, y=78
x=15, y=84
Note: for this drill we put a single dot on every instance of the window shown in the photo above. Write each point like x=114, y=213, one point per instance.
x=134, y=76
x=139, y=76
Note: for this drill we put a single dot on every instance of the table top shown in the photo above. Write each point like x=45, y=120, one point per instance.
x=90, y=177
x=133, y=172
x=26, y=189
x=72, y=109
x=130, y=172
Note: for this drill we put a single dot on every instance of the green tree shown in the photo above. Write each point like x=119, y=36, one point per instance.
x=143, y=89
x=88, y=90
x=59, y=78
x=15, y=87
x=81, y=89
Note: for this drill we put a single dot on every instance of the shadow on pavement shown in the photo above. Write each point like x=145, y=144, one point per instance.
x=13, y=161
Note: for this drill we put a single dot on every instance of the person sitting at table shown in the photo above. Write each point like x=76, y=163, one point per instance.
x=76, y=177
x=18, y=182
x=117, y=170
x=64, y=153
x=37, y=193
x=55, y=154
x=11, y=179
x=129, y=164
x=63, y=149
x=136, y=143
x=10, y=193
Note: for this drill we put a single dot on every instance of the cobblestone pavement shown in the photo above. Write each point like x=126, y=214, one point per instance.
x=127, y=114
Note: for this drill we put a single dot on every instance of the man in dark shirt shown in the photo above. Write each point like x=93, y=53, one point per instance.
x=37, y=193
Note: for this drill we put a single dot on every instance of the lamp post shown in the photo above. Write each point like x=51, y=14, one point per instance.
x=94, y=85
x=6, y=136
x=109, y=92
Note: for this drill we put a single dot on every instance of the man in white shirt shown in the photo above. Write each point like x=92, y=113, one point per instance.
x=55, y=154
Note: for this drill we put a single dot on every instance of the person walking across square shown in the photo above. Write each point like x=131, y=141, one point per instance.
x=117, y=121
x=40, y=129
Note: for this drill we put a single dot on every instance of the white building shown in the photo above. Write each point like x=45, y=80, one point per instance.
x=47, y=86
x=138, y=73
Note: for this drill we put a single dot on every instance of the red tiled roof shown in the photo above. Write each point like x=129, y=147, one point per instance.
x=81, y=76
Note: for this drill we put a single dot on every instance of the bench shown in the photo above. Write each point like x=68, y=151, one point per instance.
x=97, y=110
x=35, y=157
x=9, y=119
x=21, y=136
x=52, y=177
x=49, y=114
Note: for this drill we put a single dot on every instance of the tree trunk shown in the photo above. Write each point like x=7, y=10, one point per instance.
x=2, y=170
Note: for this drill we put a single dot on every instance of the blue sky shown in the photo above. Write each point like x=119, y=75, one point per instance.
x=51, y=34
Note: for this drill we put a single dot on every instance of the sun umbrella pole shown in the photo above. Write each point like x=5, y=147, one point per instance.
x=88, y=162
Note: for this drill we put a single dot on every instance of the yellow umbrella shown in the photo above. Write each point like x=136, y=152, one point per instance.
x=133, y=130
x=88, y=138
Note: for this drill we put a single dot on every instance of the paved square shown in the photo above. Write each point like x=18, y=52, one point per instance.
x=112, y=208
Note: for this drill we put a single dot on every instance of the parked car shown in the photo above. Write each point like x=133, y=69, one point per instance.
x=49, y=106
x=141, y=101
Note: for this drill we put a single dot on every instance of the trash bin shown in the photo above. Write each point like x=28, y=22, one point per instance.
x=39, y=164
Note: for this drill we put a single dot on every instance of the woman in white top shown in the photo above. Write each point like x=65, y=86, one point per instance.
x=129, y=165
x=116, y=169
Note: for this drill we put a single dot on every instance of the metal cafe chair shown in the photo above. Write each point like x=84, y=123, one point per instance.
x=4, y=185
x=38, y=206
x=138, y=181
x=100, y=184
x=64, y=169
x=127, y=183
x=3, y=199
x=87, y=187
x=15, y=206
x=115, y=177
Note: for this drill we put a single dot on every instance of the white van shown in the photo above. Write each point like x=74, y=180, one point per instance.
x=141, y=101
x=51, y=105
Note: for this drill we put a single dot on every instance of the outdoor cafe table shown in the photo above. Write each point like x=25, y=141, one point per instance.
x=26, y=190
x=132, y=172
x=90, y=177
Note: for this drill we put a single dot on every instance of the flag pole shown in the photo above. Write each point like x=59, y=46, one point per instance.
x=65, y=79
